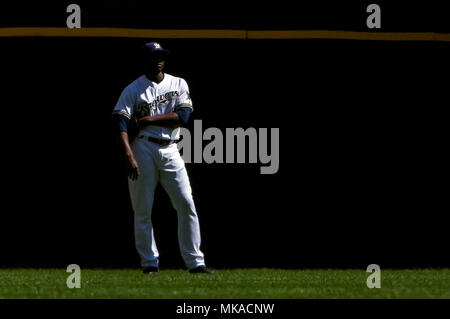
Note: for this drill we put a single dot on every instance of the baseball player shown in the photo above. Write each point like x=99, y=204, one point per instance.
x=157, y=104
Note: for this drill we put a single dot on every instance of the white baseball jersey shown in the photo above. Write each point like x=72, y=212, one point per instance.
x=160, y=164
x=144, y=97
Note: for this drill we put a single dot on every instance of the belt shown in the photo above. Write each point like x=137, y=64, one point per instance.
x=162, y=142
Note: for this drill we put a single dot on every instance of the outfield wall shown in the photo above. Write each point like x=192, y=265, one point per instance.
x=361, y=151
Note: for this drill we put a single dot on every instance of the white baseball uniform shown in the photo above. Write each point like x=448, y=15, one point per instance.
x=161, y=164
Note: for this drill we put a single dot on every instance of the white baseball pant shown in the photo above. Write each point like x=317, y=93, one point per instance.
x=163, y=164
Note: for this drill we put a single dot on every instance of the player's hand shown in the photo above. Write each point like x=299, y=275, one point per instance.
x=133, y=168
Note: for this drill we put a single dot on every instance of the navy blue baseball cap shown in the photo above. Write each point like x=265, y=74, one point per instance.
x=154, y=47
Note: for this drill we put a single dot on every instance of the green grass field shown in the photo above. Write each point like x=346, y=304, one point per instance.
x=235, y=283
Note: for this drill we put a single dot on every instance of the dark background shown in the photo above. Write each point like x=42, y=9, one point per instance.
x=363, y=169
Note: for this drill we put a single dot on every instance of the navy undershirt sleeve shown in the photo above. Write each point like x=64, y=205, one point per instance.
x=184, y=113
x=121, y=123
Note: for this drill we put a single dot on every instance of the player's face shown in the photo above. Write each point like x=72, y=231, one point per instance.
x=155, y=62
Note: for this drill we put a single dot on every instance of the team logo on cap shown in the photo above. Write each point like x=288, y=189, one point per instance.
x=157, y=45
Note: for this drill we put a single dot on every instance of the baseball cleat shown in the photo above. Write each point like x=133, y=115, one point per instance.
x=201, y=270
x=150, y=270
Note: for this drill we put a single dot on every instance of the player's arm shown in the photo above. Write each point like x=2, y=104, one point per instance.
x=121, y=124
x=122, y=116
x=172, y=119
